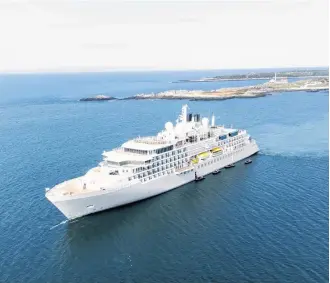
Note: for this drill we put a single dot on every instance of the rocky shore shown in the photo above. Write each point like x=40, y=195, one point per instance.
x=98, y=98
x=260, y=90
x=312, y=85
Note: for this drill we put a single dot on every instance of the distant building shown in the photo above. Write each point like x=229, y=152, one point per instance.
x=282, y=80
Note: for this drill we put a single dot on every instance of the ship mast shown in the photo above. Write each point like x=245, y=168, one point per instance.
x=213, y=120
x=184, y=112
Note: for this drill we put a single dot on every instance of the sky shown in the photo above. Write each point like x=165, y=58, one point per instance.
x=38, y=36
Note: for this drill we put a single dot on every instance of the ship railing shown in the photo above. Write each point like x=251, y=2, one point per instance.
x=117, y=149
x=151, y=140
x=181, y=145
x=182, y=169
x=122, y=150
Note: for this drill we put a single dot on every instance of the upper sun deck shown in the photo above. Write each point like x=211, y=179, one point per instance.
x=151, y=140
x=120, y=156
x=146, y=143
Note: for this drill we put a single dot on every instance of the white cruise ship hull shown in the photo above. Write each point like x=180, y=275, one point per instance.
x=80, y=205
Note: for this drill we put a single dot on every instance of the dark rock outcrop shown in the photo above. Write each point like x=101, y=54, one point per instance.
x=98, y=98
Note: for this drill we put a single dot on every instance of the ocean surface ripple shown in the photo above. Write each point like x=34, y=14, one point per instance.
x=266, y=222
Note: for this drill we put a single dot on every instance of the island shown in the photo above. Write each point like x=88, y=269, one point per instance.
x=302, y=74
x=272, y=86
x=98, y=98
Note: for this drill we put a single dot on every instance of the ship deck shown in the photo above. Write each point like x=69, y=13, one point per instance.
x=93, y=181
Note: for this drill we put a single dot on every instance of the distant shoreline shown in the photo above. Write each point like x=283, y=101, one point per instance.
x=261, y=90
x=314, y=83
x=262, y=75
x=242, y=79
x=221, y=94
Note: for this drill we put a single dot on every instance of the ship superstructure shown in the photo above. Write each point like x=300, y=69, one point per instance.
x=147, y=166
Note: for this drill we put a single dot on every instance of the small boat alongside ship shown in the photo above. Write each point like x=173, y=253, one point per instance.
x=230, y=166
x=198, y=178
x=216, y=172
x=248, y=161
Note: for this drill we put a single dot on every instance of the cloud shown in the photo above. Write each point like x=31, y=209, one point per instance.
x=70, y=35
x=116, y=45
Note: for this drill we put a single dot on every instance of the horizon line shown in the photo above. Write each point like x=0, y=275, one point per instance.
x=123, y=70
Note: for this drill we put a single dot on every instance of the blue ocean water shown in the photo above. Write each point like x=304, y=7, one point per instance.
x=266, y=222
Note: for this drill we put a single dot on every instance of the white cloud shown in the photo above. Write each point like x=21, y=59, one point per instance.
x=99, y=35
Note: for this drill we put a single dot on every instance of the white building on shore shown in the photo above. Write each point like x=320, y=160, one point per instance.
x=275, y=80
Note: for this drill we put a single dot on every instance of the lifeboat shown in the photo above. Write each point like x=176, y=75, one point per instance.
x=216, y=151
x=203, y=155
x=194, y=160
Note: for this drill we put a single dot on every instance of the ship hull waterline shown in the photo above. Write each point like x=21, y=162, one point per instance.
x=75, y=207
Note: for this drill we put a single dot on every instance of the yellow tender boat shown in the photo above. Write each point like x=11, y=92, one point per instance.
x=203, y=155
x=216, y=150
x=195, y=160
x=206, y=154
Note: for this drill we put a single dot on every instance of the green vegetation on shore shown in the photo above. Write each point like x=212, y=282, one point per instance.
x=264, y=75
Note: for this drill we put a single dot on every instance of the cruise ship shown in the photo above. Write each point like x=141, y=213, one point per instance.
x=143, y=167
